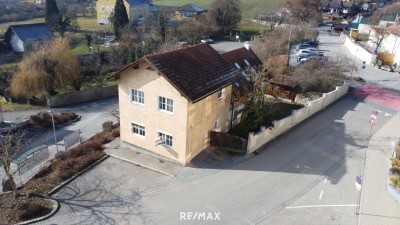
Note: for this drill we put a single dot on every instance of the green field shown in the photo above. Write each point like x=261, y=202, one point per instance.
x=247, y=5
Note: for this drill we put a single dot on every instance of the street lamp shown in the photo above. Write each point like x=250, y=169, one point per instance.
x=54, y=129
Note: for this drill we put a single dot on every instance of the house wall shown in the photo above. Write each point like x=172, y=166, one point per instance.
x=148, y=115
x=201, y=118
x=359, y=51
x=257, y=140
x=17, y=43
x=364, y=28
x=138, y=11
x=104, y=13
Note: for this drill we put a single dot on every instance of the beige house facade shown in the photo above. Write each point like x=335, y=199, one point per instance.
x=170, y=102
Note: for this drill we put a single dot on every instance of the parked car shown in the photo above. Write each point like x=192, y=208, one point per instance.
x=313, y=44
x=302, y=56
x=310, y=58
x=307, y=51
x=207, y=40
x=302, y=46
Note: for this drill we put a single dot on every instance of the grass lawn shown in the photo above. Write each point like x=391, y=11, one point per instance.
x=247, y=6
x=4, y=26
x=11, y=107
x=83, y=49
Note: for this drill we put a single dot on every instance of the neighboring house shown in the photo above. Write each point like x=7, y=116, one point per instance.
x=331, y=4
x=390, y=44
x=138, y=10
x=27, y=37
x=169, y=102
x=388, y=19
x=188, y=11
x=245, y=60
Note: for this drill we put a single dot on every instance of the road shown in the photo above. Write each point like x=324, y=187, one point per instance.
x=93, y=115
x=306, y=176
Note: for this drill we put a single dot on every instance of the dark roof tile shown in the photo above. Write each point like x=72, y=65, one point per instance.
x=195, y=71
x=32, y=32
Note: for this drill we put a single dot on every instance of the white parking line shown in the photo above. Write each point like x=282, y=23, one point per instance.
x=318, y=206
x=320, y=195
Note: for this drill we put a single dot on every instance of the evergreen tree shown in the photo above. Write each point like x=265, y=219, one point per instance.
x=120, y=19
x=161, y=23
x=51, y=13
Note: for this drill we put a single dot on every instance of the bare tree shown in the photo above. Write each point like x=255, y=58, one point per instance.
x=303, y=11
x=378, y=35
x=11, y=145
x=225, y=13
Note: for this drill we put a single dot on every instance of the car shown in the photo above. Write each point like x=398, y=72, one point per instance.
x=207, y=40
x=302, y=46
x=313, y=44
x=302, y=56
x=308, y=51
x=310, y=58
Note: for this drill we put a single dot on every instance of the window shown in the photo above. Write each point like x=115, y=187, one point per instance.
x=220, y=94
x=102, y=8
x=112, y=10
x=137, y=96
x=165, y=104
x=217, y=124
x=167, y=138
x=107, y=9
x=138, y=129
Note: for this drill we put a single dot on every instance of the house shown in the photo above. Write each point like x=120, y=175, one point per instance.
x=169, y=102
x=245, y=60
x=138, y=10
x=26, y=37
x=389, y=49
x=332, y=4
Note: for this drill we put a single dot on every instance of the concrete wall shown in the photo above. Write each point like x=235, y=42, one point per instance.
x=359, y=51
x=201, y=119
x=87, y=95
x=1, y=115
x=257, y=140
x=175, y=123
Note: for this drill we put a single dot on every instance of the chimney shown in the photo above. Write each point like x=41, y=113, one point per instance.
x=247, y=45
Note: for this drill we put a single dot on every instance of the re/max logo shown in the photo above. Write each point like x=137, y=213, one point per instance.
x=199, y=216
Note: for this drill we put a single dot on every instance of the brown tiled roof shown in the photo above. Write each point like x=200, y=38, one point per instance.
x=196, y=71
x=239, y=55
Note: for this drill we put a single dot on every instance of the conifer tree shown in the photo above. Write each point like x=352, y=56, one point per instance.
x=120, y=19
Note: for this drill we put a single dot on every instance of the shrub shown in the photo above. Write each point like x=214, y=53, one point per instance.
x=35, y=120
x=116, y=133
x=95, y=144
x=395, y=180
x=395, y=170
x=397, y=151
x=395, y=162
x=107, y=126
x=32, y=209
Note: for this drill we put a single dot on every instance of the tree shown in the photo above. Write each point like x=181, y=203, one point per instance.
x=226, y=14
x=379, y=33
x=162, y=25
x=193, y=29
x=51, y=13
x=303, y=11
x=120, y=18
x=11, y=145
x=53, y=65
x=63, y=24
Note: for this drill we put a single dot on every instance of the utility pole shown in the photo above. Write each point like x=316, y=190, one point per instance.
x=290, y=35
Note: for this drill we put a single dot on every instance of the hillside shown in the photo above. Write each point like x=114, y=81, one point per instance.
x=247, y=5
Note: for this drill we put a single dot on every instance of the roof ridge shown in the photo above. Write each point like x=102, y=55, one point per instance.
x=173, y=50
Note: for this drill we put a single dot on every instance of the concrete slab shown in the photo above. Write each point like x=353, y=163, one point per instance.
x=146, y=161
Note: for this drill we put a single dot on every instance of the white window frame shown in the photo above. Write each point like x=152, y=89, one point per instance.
x=165, y=105
x=217, y=124
x=138, y=102
x=102, y=8
x=168, y=142
x=107, y=8
x=141, y=129
x=220, y=94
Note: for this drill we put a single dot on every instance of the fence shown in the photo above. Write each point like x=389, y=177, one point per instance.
x=257, y=140
x=228, y=142
x=91, y=94
x=30, y=163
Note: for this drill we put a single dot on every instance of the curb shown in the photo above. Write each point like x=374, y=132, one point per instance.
x=57, y=188
x=141, y=165
x=56, y=207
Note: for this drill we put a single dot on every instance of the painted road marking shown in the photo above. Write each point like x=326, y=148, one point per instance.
x=320, y=195
x=379, y=95
x=318, y=206
x=326, y=178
